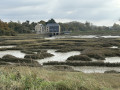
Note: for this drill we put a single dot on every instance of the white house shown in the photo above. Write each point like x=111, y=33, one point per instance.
x=40, y=29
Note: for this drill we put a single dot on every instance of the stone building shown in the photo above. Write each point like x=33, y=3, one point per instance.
x=40, y=29
x=51, y=29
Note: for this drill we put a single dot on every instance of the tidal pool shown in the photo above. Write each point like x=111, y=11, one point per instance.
x=114, y=47
x=85, y=36
x=15, y=53
x=7, y=46
x=88, y=69
x=82, y=36
x=95, y=36
x=108, y=60
x=109, y=36
x=112, y=60
x=58, y=56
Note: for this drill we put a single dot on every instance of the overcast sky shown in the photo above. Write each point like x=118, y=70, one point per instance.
x=99, y=12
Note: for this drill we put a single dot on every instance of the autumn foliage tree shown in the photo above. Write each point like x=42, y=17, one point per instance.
x=5, y=30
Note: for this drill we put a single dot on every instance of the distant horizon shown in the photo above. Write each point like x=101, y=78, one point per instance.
x=65, y=21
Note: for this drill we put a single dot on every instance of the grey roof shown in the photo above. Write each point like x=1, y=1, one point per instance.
x=52, y=24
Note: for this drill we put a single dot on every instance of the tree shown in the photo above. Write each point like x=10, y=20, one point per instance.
x=42, y=22
x=116, y=26
x=51, y=21
x=5, y=30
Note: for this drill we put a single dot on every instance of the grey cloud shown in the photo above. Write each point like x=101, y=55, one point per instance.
x=90, y=10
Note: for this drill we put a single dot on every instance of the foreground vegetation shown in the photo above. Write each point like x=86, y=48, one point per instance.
x=31, y=78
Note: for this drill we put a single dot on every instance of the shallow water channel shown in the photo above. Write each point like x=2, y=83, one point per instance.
x=62, y=57
x=82, y=36
x=112, y=60
x=88, y=69
x=58, y=56
x=15, y=53
x=108, y=60
x=7, y=46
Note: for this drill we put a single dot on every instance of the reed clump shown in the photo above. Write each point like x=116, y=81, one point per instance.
x=79, y=58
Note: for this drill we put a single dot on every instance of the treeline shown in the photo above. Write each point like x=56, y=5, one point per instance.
x=11, y=28
x=5, y=30
x=78, y=26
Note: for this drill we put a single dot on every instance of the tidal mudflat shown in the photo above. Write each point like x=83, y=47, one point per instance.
x=103, y=49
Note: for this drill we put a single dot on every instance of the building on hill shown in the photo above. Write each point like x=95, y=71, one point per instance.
x=51, y=29
x=40, y=29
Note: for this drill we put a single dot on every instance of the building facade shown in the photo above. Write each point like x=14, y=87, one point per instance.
x=40, y=29
x=51, y=29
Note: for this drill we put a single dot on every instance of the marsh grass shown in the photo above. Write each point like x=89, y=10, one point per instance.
x=100, y=53
x=84, y=63
x=9, y=59
x=27, y=78
x=79, y=58
x=112, y=71
x=38, y=55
